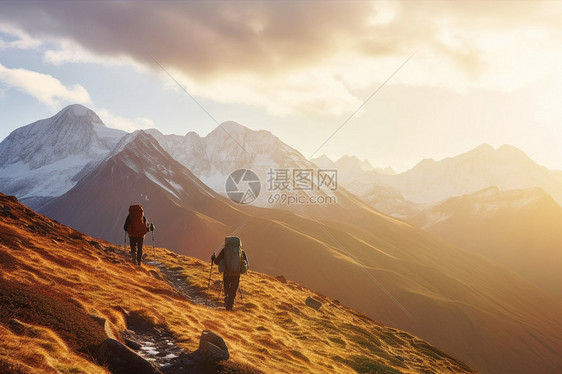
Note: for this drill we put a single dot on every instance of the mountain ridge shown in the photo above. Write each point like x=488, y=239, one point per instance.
x=430, y=182
x=506, y=167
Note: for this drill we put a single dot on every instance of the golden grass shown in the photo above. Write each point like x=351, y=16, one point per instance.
x=271, y=329
x=40, y=350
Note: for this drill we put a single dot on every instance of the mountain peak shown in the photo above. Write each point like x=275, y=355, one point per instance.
x=323, y=162
x=504, y=155
x=72, y=131
x=78, y=110
x=229, y=129
x=79, y=115
x=232, y=125
x=505, y=152
x=66, y=142
x=484, y=147
x=511, y=151
x=354, y=162
x=506, y=167
x=137, y=139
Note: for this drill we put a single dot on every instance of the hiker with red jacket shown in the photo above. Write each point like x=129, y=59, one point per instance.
x=136, y=226
x=232, y=262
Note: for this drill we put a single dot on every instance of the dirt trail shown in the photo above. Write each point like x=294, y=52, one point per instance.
x=156, y=344
x=176, y=278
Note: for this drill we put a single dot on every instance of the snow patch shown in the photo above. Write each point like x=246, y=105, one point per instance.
x=161, y=184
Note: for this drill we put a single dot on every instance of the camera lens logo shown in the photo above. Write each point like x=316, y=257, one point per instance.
x=243, y=186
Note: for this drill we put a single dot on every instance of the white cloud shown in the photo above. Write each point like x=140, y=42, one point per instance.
x=70, y=52
x=45, y=88
x=126, y=124
x=21, y=40
x=67, y=52
x=305, y=59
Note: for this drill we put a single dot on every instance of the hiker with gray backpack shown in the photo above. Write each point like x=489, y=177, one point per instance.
x=136, y=225
x=232, y=262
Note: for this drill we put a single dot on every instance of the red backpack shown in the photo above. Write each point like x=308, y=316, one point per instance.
x=137, y=225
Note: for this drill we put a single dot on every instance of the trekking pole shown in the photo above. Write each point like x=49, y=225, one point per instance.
x=245, y=259
x=151, y=228
x=210, y=275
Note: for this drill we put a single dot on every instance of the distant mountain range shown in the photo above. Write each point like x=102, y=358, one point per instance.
x=460, y=301
x=351, y=166
x=360, y=178
x=430, y=182
x=517, y=228
x=495, y=202
x=232, y=146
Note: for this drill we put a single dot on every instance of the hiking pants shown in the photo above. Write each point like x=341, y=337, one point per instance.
x=231, y=283
x=136, y=247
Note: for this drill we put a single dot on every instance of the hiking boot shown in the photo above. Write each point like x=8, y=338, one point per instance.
x=134, y=258
x=228, y=304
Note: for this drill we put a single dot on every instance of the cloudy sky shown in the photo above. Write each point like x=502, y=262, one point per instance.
x=461, y=73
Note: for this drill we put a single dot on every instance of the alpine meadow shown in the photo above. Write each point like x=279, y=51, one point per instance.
x=280, y=187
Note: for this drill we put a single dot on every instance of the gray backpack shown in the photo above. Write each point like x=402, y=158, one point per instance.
x=234, y=262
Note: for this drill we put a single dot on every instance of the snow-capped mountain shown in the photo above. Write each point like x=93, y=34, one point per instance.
x=506, y=167
x=363, y=180
x=232, y=146
x=48, y=157
x=356, y=174
x=140, y=171
x=227, y=148
x=352, y=172
x=429, y=182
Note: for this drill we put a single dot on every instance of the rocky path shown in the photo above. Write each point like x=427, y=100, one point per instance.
x=156, y=344
x=175, y=277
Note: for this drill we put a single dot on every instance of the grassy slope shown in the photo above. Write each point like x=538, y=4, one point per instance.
x=272, y=329
x=480, y=311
